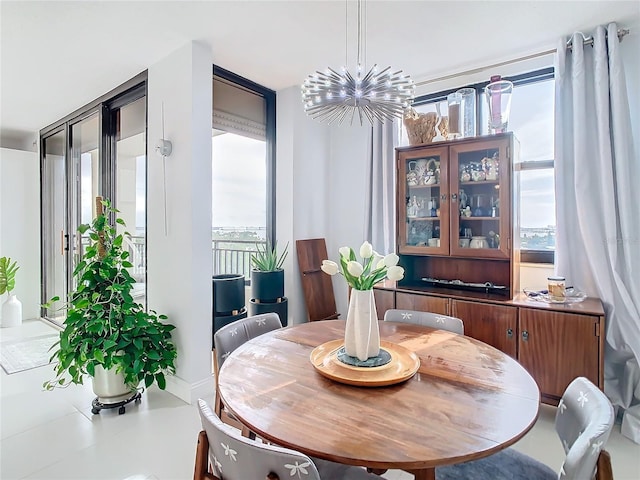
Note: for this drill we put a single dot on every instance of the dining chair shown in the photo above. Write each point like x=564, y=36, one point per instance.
x=230, y=337
x=584, y=420
x=224, y=454
x=426, y=319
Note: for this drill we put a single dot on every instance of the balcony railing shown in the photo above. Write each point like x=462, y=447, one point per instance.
x=229, y=256
x=233, y=256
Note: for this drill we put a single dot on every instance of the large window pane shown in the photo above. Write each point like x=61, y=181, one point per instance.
x=537, y=210
x=239, y=209
x=131, y=184
x=531, y=119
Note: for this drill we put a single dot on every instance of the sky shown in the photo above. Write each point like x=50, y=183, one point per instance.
x=239, y=181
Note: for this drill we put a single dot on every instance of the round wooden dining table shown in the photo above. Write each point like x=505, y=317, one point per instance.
x=466, y=401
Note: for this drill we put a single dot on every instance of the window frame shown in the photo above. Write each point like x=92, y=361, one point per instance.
x=270, y=133
x=526, y=256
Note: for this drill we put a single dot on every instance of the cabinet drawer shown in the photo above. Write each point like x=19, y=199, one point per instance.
x=422, y=303
x=492, y=324
x=557, y=347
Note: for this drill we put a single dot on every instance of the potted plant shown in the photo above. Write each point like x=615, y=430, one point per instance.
x=107, y=335
x=267, y=281
x=11, y=307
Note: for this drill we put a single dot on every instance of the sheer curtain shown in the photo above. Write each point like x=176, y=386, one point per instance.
x=379, y=222
x=598, y=214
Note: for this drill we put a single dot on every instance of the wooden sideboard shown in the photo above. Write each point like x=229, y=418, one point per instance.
x=554, y=342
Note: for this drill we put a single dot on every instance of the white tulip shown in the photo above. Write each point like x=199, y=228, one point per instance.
x=355, y=269
x=329, y=267
x=345, y=252
x=395, y=273
x=391, y=260
x=380, y=263
x=366, y=250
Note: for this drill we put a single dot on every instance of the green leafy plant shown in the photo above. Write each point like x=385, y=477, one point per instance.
x=104, y=325
x=266, y=258
x=7, y=275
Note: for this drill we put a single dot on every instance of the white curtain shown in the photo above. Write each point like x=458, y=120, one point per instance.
x=379, y=222
x=598, y=204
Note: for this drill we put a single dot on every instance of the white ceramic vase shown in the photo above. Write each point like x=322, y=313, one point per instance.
x=362, y=336
x=11, y=312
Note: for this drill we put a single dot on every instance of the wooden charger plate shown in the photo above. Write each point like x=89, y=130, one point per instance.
x=403, y=365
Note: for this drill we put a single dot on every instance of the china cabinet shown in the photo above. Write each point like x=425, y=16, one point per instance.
x=457, y=238
x=456, y=217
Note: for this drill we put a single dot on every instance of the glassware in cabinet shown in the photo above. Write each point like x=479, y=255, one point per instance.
x=423, y=188
x=482, y=180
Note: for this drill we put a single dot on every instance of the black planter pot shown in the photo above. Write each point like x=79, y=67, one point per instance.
x=281, y=308
x=267, y=287
x=228, y=294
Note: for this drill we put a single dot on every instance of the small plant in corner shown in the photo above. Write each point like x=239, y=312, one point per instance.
x=8, y=271
x=104, y=326
x=266, y=258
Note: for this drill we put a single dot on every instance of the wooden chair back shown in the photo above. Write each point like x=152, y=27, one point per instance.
x=316, y=285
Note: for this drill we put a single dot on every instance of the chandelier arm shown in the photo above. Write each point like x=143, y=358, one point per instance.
x=339, y=95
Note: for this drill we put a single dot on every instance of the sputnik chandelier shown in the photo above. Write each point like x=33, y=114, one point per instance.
x=378, y=94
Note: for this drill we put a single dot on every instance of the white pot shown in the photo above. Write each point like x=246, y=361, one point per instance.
x=11, y=312
x=362, y=336
x=109, y=386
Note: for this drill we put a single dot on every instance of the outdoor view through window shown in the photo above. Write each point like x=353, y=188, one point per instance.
x=532, y=121
x=239, y=200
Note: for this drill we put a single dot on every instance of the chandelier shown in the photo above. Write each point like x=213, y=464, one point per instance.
x=336, y=95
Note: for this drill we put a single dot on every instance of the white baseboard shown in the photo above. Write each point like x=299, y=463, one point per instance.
x=191, y=392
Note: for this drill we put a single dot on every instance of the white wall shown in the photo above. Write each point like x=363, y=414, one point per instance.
x=321, y=175
x=346, y=206
x=179, y=260
x=20, y=224
x=302, y=177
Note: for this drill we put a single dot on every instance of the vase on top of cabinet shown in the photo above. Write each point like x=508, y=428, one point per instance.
x=468, y=208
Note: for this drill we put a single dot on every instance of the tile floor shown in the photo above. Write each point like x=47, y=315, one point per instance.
x=53, y=435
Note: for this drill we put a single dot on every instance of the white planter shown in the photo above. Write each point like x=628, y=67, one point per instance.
x=11, y=312
x=109, y=386
x=362, y=336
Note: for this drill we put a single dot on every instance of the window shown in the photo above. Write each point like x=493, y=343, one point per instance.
x=243, y=171
x=99, y=149
x=532, y=121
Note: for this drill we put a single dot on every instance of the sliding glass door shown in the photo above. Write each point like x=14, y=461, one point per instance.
x=130, y=154
x=55, y=241
x=99, y=152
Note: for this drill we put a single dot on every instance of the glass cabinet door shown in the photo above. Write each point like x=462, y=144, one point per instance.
x=423, y=190
x=479, y=180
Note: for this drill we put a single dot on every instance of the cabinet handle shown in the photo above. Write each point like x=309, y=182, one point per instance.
x=525, y=336
x=454, y=197
x=509, y=332
x=443, y=196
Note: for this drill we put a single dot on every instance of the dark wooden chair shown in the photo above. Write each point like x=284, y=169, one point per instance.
x=316, y=285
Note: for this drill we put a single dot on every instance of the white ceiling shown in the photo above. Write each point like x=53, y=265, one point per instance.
x=57, y=56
